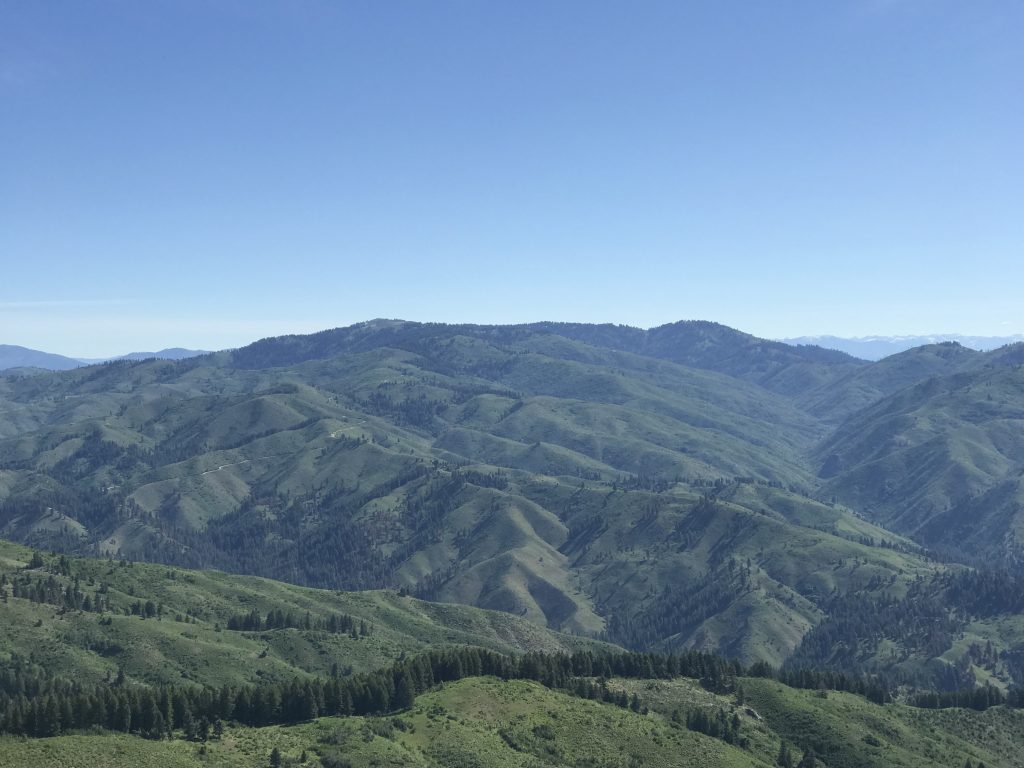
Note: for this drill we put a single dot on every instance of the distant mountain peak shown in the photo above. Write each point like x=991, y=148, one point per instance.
x=13, y=356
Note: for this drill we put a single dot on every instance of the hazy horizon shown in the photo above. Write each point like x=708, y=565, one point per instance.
x=820, y=339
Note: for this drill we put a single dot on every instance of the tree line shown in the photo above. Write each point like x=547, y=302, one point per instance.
x=35, y=704
x=278, y=619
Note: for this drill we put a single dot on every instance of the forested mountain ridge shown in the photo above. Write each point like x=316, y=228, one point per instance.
x=710, y=346
x=664, y=489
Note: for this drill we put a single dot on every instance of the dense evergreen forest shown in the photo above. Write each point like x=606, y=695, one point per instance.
x=33, y=703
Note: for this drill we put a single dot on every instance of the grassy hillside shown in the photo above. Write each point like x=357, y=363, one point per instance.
x=863, y=614
x=486, y=722
x=848, y=731
x=188, y=640
x=474, y=722
x=845, y=729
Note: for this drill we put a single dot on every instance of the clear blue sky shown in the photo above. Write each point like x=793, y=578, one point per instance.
x=207, y=173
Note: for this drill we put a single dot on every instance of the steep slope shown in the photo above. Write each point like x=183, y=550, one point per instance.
x=744, y=570
x=956, y=630
x=941, y=461
x=838, y=400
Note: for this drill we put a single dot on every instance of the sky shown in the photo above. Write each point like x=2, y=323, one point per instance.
x=204, y=174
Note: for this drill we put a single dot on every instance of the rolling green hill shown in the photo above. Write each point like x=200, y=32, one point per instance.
x=127, y=627
x=187, y=636
x=489, y=723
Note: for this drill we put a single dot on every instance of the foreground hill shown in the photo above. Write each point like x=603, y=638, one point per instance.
x=487, y=722
x=91, y=620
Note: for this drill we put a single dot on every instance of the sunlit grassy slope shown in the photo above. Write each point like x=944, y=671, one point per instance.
x=190, y=641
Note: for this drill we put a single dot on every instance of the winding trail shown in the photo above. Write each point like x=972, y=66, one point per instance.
x=233, y=464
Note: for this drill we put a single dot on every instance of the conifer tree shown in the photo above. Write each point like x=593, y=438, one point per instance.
x=785, y=758
x=405, y=694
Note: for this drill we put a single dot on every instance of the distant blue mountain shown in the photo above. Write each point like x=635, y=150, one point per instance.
x=12, y=356
x=877, y=347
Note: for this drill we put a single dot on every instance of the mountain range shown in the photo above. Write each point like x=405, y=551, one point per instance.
x=863, y=347
x=12, y=356
x=688, y=486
